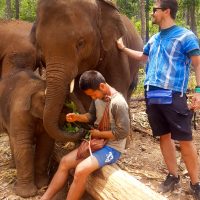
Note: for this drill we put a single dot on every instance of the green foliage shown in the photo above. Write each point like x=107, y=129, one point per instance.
x=140, y=86
x=2, y=8
x=192, y=81
x=71, y=105
x=27, y=9
x=70, y=127
x=127, y=7
x=73, y=127
x=131, y=9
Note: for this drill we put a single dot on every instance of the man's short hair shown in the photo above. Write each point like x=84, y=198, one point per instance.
x=91, y=80
x=172, y=5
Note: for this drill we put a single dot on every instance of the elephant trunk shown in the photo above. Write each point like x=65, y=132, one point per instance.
x=57, y=89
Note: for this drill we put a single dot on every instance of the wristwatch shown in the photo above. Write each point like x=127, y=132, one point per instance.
x=197, y=89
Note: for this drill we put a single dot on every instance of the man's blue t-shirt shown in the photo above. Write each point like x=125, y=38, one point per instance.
x=168, y=63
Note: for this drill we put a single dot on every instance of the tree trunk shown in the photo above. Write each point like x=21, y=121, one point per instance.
x=143, y=21
x=193, y=17
x=147, y=20
x=188, y=16
x=8, y=9
x=16, y=9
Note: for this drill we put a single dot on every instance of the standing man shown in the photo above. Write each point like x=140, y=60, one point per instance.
x=168, y=55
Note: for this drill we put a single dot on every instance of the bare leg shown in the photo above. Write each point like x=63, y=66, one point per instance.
x=169, y=153
x=69, y=161
x=190, y=157
x=83, y=170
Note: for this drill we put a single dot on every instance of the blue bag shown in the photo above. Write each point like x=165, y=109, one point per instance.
x=159, y=96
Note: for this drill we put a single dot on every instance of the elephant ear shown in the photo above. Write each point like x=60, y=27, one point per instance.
x=40, y=61
x=37, y=103
x=33, y=33
x=110, y=23
x=111, y=3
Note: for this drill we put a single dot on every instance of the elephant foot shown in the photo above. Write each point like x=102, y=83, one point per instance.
x=41, y=181
x=25, y=190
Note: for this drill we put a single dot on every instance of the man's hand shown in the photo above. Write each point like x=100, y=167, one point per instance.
x=120, y=43
x=195, y=102
x=71, y=117
x=138, y=55
x=95, y=133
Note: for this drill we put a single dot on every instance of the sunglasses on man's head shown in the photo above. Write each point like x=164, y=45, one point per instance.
x=158, y=8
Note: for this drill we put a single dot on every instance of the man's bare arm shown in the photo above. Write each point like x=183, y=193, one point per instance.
x=73, y=117
x=195, y=104
x=138, y=55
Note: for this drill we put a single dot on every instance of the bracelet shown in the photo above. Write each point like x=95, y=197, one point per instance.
x=197, y=89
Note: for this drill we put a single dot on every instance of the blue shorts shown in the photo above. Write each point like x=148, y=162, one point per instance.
x=106, y=156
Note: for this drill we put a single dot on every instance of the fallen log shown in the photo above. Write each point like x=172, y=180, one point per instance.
x=112, y=183
x=115, y=184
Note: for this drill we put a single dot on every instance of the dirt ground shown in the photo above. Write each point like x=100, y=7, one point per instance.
x=142, y=159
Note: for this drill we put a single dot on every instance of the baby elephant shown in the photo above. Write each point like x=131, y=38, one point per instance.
x=21, y=111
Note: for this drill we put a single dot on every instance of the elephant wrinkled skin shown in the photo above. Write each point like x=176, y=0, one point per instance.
x=16, y=49
x=75, y=36
x=21, y=110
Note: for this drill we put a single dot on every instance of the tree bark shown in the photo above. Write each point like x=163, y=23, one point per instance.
x=147, y=20
x=8, y=9
x=16, y=9
x=143, y=21
x=115, y=184
x=188, y=16
x=193, y=17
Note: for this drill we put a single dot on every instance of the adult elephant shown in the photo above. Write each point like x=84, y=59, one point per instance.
x=16, y=49
x=75, y=36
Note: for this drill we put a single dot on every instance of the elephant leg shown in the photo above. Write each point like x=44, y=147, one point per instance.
x=24, y=154
x=43, y=151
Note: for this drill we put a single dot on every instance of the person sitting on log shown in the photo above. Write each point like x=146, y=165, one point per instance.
x=109, y=113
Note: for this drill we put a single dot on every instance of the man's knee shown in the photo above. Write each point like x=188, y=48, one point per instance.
x=64, y=163
x=80, y=172
x=187, y=147
x=165, y=137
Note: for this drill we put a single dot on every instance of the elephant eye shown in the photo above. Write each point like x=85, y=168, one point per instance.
x=80, y=44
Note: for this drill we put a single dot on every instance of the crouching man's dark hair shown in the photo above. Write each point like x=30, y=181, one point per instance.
x=91, y=80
